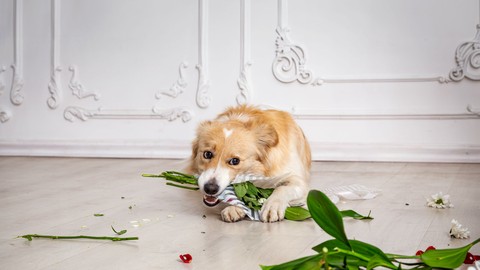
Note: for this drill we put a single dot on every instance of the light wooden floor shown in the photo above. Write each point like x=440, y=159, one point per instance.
x=60, y=196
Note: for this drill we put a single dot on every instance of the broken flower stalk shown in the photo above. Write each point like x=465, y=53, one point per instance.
x=30, y=237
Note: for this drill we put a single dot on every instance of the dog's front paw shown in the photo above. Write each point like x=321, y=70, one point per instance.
x=232, y=214
x=273, y=210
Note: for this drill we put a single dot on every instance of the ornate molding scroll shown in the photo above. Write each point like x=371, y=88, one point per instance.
x=467, y=57
x=4, y=115
x=289, y=63
x=203, y=99
x=77, y=87
x=173, y=114
x=16, y=96
x=243, y=80
x=179, y=86
x=54, y=89
x=54, y=85
x=72, y=113
x=244, y=85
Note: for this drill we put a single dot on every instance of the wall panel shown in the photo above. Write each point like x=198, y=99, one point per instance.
x=367, y=80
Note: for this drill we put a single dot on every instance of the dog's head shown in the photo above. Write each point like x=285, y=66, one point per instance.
x=224, y=149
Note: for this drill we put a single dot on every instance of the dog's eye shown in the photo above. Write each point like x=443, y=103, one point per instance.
x=234, y=161
x=208, y=155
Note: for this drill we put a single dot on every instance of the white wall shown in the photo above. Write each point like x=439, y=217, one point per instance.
x=369, y=80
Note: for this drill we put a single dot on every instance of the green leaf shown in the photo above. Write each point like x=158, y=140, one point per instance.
x=297, y=213
x=354, y=215
x=98, y=215
x=447, y=258
x=364, y=253
x=120, y=232
x=265, y=192
x=376, y=261
x=306, y=263
x=326, y=215
x=240, y=190
x=252, y=190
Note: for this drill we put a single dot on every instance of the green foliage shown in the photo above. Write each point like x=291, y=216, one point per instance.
x=342, y=253
x=326, y=215
x=447, y=258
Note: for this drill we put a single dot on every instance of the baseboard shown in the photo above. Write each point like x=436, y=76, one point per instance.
x=123, y=149
x=181, y=150
x=396, y=153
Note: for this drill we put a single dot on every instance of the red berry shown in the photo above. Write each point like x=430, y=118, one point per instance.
x=186, y=258
x=430, y=248
x=469, y=259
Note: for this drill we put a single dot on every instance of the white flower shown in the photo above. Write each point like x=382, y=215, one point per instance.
x=262, y=200
x=439, y=201
x=458, y=231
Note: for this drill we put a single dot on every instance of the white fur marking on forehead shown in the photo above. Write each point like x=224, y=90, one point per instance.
x=227, y=132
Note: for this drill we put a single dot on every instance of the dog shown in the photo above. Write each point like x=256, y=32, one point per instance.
x=248, y=140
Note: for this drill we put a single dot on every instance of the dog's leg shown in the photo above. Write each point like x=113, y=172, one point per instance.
x=292, y=189
x=232, y=214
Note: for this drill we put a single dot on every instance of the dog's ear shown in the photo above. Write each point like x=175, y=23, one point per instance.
x=192, y=167
x=192, y=164
x=267, y=138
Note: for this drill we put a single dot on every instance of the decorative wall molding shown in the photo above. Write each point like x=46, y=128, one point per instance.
x=173, y=114
x=243, y=81
x=179, y=86
x=4, y=115
x=203, y=98
x=2, y=80
x=54, y=88
x=77, y=88
x=289, y=64
x=73, y=112
x=54, y=85
x=16, y=94
x=352, y=114
x=467, y=57
x=472, y=110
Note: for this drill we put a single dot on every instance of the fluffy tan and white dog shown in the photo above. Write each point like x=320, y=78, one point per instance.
x=248, y=140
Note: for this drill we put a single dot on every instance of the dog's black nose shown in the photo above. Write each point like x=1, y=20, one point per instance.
x=211, y=188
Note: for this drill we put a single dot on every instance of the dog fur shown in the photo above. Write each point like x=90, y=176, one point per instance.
x=248, y=140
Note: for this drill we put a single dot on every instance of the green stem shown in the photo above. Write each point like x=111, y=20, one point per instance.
x=395, y=256
x=151, y=175
x=360, y=256
x=30, y=236
x=180, y=186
